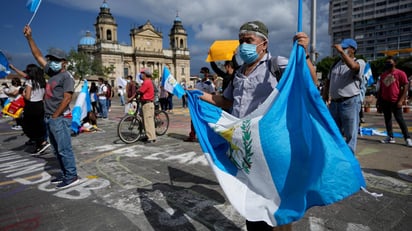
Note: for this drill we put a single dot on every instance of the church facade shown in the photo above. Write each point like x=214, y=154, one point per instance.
x=145, y=49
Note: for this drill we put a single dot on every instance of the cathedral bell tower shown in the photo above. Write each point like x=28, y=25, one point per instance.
x=106, y=27
x=178, y=35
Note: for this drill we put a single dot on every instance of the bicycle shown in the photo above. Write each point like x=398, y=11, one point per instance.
x=131, y=127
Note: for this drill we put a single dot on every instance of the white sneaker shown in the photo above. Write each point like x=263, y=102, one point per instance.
x=16, y=127
x=408, y=142
x=388, y=140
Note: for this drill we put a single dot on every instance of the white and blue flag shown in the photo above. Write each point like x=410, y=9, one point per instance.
x=81, y=108
x=367, y=73
x=285, y=157
x=4, y=66
x=33, y=6
x=170, y=84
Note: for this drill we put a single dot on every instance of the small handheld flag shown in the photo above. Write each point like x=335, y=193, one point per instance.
x=170, y=84
x=368, y=75
x=33, y=6
x=4, y=66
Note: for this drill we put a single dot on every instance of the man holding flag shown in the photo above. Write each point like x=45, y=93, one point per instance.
x=58, y=116
x=253, y=83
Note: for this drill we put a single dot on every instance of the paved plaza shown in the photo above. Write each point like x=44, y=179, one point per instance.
x=168, y=185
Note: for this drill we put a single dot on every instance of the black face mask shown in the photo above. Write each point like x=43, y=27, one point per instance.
x=388, y=66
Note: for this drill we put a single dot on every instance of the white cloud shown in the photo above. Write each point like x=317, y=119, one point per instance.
x=219, y=19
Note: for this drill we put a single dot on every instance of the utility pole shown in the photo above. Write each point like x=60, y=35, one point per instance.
x=313, y=52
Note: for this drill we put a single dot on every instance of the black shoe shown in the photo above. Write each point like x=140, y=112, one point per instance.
x=68, y=183
x=40, y=150
x=57, y=180
x=144, y=139
x=150, y=141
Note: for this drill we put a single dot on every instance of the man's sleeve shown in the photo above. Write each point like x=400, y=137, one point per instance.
x=68, y=84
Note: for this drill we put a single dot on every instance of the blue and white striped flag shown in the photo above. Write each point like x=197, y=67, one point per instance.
x=285, y=157
x=170, y=84
x=33, y=6
x=367, y=74
x=4, y=66
x=81, y=108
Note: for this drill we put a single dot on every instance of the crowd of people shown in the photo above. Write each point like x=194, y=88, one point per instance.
x=245, y=86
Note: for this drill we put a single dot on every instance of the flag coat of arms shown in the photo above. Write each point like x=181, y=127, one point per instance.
x=170, y=84
x=283, y=158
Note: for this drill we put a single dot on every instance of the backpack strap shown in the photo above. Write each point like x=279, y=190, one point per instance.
x=274, y=68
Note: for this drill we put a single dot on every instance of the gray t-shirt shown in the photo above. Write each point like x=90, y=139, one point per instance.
x=56, y=87
x=248, y=92
x=344, y=82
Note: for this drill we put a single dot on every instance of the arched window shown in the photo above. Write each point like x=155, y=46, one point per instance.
x=109, y=34
x=181, y=43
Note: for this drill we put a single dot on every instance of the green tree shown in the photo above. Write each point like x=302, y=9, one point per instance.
x=108, y=70
x=80, y=64
x=324, y=65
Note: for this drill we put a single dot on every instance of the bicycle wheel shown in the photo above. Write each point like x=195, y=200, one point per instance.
x=129, y=129
x=161, y=122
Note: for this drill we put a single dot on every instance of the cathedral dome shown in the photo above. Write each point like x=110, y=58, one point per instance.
x=105, y=5
x=87, y=39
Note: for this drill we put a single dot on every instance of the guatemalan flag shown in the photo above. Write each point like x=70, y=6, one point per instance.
x=170, y=84
x=285, y=157
x=81, y=108
x=367, y=73
x=33, y=5
x=4, y=66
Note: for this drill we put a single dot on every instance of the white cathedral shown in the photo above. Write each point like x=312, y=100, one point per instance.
x=146, y=49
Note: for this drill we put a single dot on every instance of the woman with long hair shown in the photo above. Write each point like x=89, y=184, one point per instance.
x=33, y=114
x=93, y=98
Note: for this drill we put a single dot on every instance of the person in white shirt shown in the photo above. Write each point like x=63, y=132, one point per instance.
x=33, y=114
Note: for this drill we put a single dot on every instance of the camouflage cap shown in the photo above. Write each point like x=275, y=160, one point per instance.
x=255, y=26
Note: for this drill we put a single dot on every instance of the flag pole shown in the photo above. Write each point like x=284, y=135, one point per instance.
x=300, y=16
x=35, y=12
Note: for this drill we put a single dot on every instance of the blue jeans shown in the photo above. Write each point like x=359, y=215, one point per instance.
x=346, y=116
x=59, y=135
x=122, y=100
x=103, y=107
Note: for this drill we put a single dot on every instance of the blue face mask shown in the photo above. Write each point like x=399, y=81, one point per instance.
x=202, y=75
x=248, y=52
x=55, y=66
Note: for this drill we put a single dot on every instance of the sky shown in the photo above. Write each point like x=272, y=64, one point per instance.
x=62, y=23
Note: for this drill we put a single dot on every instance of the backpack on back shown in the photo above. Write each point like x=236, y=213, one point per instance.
x=108, y=92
